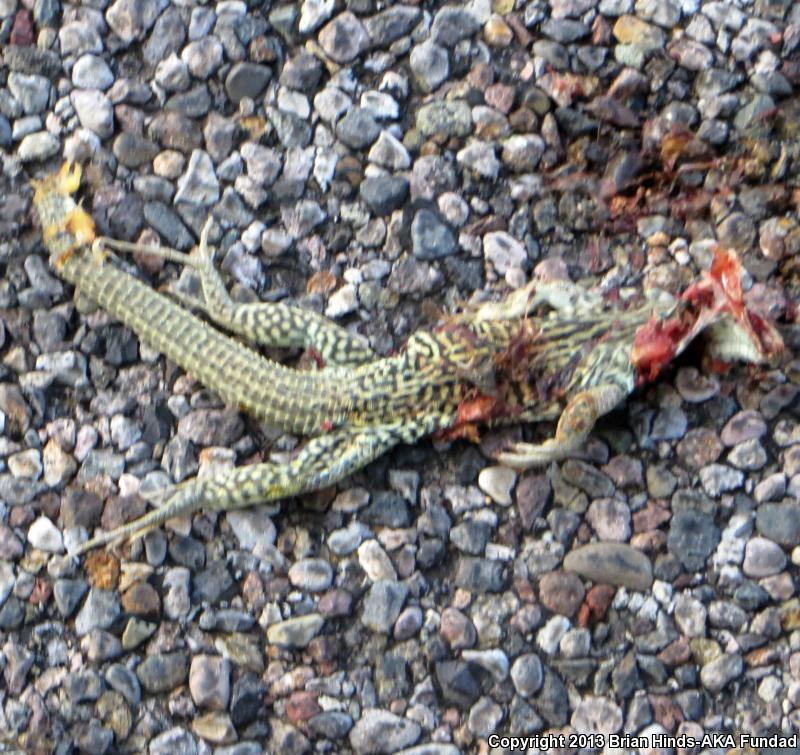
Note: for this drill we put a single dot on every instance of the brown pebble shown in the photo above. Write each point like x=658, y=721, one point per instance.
x=302, y=705
x=561, y=592
x=141, y=599
x=102, y=569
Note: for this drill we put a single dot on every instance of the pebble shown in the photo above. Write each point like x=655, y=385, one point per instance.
x=479, y=157
x=611, y=563
x=246, y=80
x=358, y=129
x=311, y=574
x=561, y=592
x=253, y=528
x=7, y=580
x=210, y=682
x=526, y=674
x=344, y=38
x=699, y=448
x=431, y=238
x=375, y=562
x=295, y=632
x=694, y=386
x=780, y=522
x=452, y=23
x=763, y=558
x=550, y=635
x=484, y=717
x=597, y=716
x=690, y=616
x=124, y=681
x=389, y=732
x=384, y=194
x=743, y=426
x=92, y=72
x=130, y=20
x=391, y=24
x=430, y=65
x=457, y=629
x=457, y=682
x=68, y=594
x=497, y=483
x=445, y=118
x=389, y=152
x=163, y=672
x=45, y=536
x=408, y=623
x=720, y=478
x=717, y=673
x=31, y=90
x=692, y=538
x=382, y=605
x=203, y=56
x=199, y=184
x=610, y=519
x=38, y=147
x=748, y=455
x=99, y=611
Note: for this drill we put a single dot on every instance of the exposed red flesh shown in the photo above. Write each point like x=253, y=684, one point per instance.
x=719, y=291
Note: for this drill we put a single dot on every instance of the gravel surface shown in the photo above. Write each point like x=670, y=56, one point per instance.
x=380, y=163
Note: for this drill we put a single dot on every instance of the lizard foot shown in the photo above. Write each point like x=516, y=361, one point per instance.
x=526, y=455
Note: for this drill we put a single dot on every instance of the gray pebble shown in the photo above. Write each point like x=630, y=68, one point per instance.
x=378, y=731
x=382, y=605
x=430, y=65
x=296, y=632
x=344, y=38
x=716, y=674
x=611, y=563
x=431, y=238
x=99, y=611
x=210, y=681
x=748, y=455
x=357, y=129
x=131, y=19
x=124, y=681
x=68, y=593
x=163, y=672
x=31, y=90
x=720, y=478
x=444, y=117
x=92, y=72
x=391, y=24
x=247, y=80
x=744, y=425
x=453, y=23
x=763, y=558
x=311, y=574
x=37, y=147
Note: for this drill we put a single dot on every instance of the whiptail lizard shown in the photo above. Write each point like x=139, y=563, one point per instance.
x=548, y=350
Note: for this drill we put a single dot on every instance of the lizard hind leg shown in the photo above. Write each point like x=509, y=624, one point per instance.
x=175, y=500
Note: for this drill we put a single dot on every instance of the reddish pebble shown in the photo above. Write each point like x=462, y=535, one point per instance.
x=561, y=592
x=302, y=705
x=22, y=30
x=500, y=97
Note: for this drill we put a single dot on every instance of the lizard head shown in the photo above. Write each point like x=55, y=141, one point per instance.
x=715, y=305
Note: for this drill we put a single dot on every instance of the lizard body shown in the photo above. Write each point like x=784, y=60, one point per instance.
x=549, y=350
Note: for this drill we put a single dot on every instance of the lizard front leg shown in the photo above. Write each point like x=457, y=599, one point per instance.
x=576, y=422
